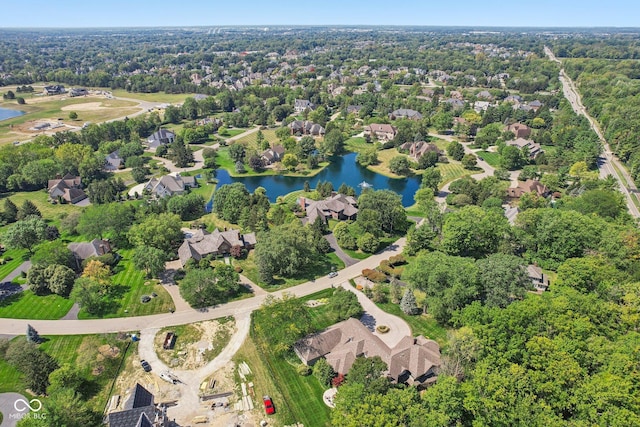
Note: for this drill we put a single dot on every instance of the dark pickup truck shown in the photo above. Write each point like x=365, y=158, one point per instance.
x=169, y=341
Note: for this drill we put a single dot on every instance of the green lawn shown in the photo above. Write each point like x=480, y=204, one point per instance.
x=250, y=270
x=132, y=284
x=357, y=144
x=252, y=139
x=452, y=171
x=490, y=157
x=420, y=324
x=11, y=378
x=39, y=198
x=230, y=133
x=18, y=257
x=27, y=305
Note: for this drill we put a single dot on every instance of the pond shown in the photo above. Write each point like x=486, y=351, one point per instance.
x=6, y=113
x=343, y=169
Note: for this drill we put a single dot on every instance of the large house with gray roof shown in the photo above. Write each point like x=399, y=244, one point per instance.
x=170, y=185
x=160, y=137
x=338, y=206
x=413, y=361
x=405, y=113
x=200, y=243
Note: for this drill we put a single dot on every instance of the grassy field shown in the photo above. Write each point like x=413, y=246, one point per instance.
x=452, y=171
x=385, y=156
x=357, y=144
x=132, y=285
x=251, y=140
x=230, y=133
x=492, y=158
x=250, y=270
x=38, y=108
x=224, y=162
x=82, y=352
x=420, y=324
x=18, y=255
x=40, y=199
x=151, y=97
x=27, y=305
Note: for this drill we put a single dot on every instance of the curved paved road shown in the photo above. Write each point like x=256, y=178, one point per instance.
x=9, y=413
x=189, y=315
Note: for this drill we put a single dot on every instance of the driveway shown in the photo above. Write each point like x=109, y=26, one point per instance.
x=10, y=416
x=375, y=316
x=338, y=250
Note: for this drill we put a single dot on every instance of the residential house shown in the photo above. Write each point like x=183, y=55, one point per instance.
x=338, y=206
x=140, y=410
x=529, y=186
x=381, y=132
x=201, y=243
x=405, y=113
x=54, y=90
x=299, y=105
x=520, y=130
x=484, y=95
x=113, y=161
x=413, y=361
x=513, y=99
x=68, y=189
x=456, y=104
x=84, y=250
x=354, y=109
x=78, y=91
x=533, y=147
x=479, y=106
x=273, y=154
x=160, y=137
x=305, y=127
x=538, y=278
x=170, y=185
x=418, y=149
x=535, y=105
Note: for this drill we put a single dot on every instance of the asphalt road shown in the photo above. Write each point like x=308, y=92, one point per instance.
x=10, y=416
x=607, y=163
x=189, y=315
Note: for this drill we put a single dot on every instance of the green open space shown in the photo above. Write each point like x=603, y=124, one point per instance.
x=49, y=211
x=490, y=157
x=223, y=160
x=27, y=305
x=11, y=260
x=251, y=140
x=230, y=133
x=130, y=285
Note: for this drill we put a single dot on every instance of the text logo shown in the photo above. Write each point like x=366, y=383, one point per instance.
x=22, y=405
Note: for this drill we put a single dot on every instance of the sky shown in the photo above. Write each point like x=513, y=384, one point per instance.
x=148, y=13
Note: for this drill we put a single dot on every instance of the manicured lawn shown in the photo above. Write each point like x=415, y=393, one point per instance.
x=11, y=378
x=224, y=162
x=356, y=254
x=27, y=305
x=385, y=156
x=132, y=284
x=452, y=171
x=296, y=398
x=357, y=144
x=420, y=324
x=39, y=198
x=252, y=139
x=492, y=158
x=250, y=270
x=230, y=133
x=19, y=256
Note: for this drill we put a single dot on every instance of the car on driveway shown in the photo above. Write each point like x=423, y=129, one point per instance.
x=145, y=365
x=268, y=405
x=333, y=274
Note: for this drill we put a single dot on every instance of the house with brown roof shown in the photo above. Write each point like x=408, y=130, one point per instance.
x=418, y=149
x=381, y=132
x=273, y=154
x=68, y=189
x=170, y=185
x=533, y=147
x=200, y=243
x=305, y=127
x=520, y=130
x=529, y=186
x=405, y=113
x=338, y=206
x=413, y=361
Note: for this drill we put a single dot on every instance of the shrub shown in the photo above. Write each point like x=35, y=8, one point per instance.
x=303, y=369
x=383, y=329
x=374, y=275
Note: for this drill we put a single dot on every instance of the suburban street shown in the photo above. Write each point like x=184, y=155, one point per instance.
x=188, y=315
x=608, y=163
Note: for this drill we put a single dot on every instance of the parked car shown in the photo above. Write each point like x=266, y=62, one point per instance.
x=333, y=274
x=145, y=365
x=268, y=405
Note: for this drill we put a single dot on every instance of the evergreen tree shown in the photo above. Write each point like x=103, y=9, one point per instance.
x=408, y=303
x=32, y=335
x=10, y=213
x=28, y=209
